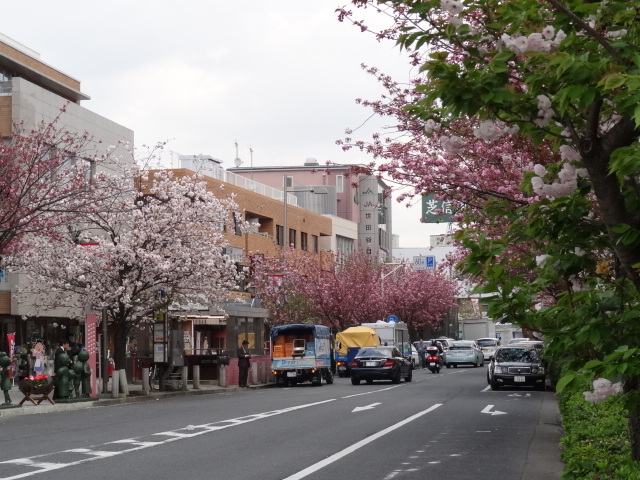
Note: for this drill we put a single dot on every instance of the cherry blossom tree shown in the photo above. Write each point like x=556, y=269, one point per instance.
x=159, y=242
x=347, y=295
x=420, y=298
x=352, y=292
x=563, y=73
x=44, y=175
x=275, y=279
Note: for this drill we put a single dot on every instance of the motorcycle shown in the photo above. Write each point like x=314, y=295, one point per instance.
x=434, y=360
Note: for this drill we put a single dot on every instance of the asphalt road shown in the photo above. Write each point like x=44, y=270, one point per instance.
x=445, y=426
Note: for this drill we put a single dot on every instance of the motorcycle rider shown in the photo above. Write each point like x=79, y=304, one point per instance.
x=438, y=345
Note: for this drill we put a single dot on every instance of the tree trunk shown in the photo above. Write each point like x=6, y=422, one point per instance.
x=633, y=385
x=120, y=344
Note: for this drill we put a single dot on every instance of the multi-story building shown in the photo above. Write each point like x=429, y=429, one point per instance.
x=31, y=92
x=263, y=208
x=362, y=199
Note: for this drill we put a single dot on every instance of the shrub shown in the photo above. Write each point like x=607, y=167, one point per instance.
x=596, y=443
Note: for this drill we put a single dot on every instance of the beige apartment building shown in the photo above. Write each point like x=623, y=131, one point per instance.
x=31, y=91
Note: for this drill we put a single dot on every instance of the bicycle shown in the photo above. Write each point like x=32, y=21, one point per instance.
x=154, y=377
x=154, y=374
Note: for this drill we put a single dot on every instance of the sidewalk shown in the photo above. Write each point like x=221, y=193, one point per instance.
x=543, y=459
x=136, y=394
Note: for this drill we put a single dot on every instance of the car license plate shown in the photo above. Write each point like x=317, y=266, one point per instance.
x=291, y=374
x=342, y=368
x=370, y=364
x=518, y=379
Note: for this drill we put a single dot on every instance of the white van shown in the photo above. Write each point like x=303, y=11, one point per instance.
x=488, y=346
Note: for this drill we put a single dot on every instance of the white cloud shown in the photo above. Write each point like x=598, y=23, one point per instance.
x=278, y=77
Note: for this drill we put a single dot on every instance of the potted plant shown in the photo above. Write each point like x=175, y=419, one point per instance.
x=36, y=385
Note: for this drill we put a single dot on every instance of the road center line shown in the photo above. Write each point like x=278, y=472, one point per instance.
x=337, y=456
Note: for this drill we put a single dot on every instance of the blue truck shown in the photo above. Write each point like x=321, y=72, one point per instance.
x=302, y=353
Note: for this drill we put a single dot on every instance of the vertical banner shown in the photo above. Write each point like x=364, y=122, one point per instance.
x=91, y=345
x=11, y=343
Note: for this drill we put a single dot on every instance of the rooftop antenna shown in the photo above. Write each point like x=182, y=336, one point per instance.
x=251, y=153
x=237, y=162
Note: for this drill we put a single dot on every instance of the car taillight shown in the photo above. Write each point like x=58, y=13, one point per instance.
x=388, y=363
x=354, y=364
x=340, y=363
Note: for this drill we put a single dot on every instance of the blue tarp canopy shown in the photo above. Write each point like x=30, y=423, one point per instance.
x=318, y=331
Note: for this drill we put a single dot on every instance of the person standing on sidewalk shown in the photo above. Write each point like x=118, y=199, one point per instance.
x=421, y=348
x=243, y=364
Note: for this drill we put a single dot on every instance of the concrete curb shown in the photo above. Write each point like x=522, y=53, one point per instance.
x=136, y=395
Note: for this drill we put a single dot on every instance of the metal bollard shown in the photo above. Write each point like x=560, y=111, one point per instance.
x=145, y=379
x=185, y=377
x=196, y=377
x=222, y=378
x=254, y=373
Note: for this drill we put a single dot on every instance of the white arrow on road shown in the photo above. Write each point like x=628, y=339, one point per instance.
x=368, y=407
x=488, y=408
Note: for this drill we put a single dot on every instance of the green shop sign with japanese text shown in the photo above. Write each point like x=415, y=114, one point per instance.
x=435, y=211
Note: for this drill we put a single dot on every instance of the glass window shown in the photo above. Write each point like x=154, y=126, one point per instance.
x=314, y=243
x=339, y=183
x=292, y=237
x=304, y=241
x=280, y=235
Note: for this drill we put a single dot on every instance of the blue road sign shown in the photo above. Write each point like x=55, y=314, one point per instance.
x=392, y=319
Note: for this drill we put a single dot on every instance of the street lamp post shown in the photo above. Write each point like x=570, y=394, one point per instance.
x=385, y=275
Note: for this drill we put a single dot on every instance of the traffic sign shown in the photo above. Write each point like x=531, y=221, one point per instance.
x=423, y=262
x=392, y=319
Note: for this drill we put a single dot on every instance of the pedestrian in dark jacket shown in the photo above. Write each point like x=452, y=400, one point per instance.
x=243, y=364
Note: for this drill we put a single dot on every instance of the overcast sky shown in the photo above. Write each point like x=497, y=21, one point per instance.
x=280, y=77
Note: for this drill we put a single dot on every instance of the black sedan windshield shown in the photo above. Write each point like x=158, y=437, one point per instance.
x=516, y=355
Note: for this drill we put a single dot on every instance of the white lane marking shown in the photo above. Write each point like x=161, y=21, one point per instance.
x=37, y=465
x=373, y=391
x=488, y=408
x=352, y=448
x=487, y=388
x=368, y=407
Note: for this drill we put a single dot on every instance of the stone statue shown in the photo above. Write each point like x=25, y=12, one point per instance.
x=5, y=381
x=63, y=378
x=83, y=374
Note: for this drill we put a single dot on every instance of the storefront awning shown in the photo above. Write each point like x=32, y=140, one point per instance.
x=207, y=319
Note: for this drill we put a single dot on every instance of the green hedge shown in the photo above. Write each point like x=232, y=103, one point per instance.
x=596, y=442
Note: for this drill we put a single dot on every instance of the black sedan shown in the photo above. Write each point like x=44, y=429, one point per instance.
x=516, y=365
x=380, y=363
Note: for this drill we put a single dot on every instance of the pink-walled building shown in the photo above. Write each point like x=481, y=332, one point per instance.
x=362, y=199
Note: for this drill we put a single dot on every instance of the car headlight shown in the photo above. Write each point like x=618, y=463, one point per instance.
x=497, y=369
x=537, y=370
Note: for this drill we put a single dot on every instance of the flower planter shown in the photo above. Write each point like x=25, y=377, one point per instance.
x=28, y=389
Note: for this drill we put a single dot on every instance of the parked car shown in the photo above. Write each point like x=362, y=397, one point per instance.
x=518, y=340
x=415, y=358
x=380, y=363
x=445, y=341
x=488, y=346
x=516, y=365
x=464, y=352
